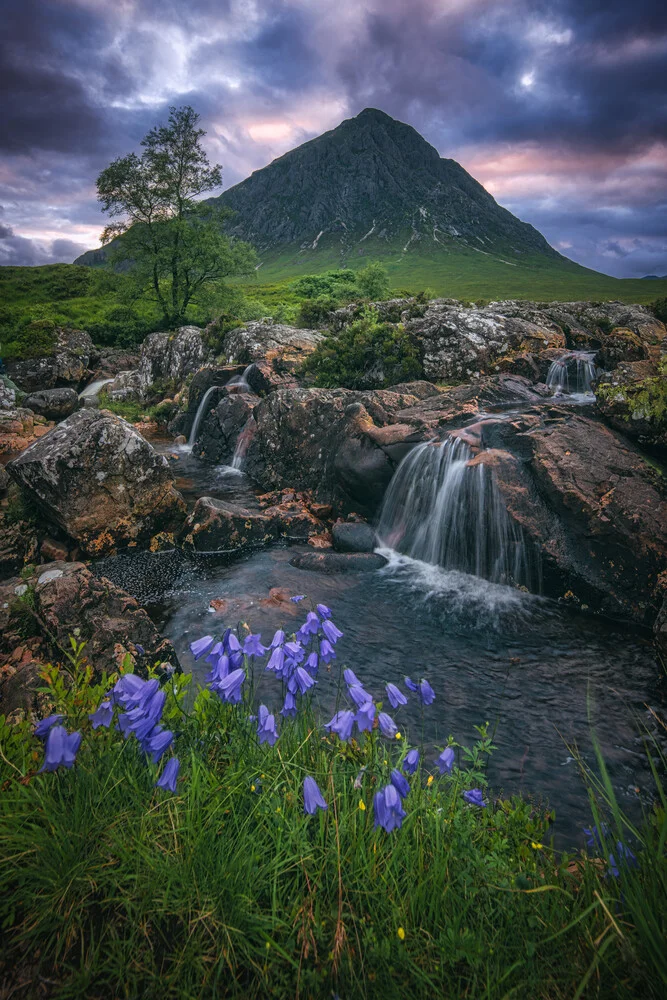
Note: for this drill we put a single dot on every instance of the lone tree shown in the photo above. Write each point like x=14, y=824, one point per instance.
x=174, y=245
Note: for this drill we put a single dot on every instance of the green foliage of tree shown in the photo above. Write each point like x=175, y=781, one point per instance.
x=365, y=355
x=373, y=280
x=341, y=284
x=172, y=246
x=659, y=309
x=314, y=313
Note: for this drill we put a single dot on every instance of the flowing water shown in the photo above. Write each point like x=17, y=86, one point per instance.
x=199, y=416
x=573, y=374
x=242, y=444
x=92, y=390
x=440, y=509
x=528, y=666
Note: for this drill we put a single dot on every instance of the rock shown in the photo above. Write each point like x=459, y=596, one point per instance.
x=53, y=551
x=353, y=537
x=112, y=361
x=459, y=344
x=4, y=480
x=167, y=358
x=621, y=345
x=522, y=363
x=8, y=394
x=18, y=546
x=267, y=340
x=421, y=389
x=660, y=624
x=54, y=404
x=222, y=425
x=266, y=376
x=99, y=481
x=338, y=562
x=203, y=381
x=126, y=387
x=633, y=399
x=217, y=526
x=591, y=505
x=66, y=366
x=68, y=601
x=294, y=521
x=20, y=428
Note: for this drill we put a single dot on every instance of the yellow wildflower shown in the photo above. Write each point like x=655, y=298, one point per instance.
x=398, y=736
x=401, y=933
x=252, y=788
x=536, y=847
x=362, y=805
x=429, y=780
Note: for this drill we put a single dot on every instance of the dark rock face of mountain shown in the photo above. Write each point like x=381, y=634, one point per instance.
x=373, y=179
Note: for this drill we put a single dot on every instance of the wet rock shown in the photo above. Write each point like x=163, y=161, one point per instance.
x=167, y=358
x=621, y=345
x=4, y=480
x=217, y=526
x=203, y=381
x=126, y=387
x=19, y=428
x=112, y=361
x=8, y=394
x=339, y=562
x=18, y=546
x=522, y=363
x=99, y=481
x=267, y=340
x=459, y=344
x=67, y=600
x=633, y=399
x=350, y=536
x=54, y=404
x=660, y=625
x=52, y=550
x=585, y=324
x=66, y=366
x=266, y=376
x=222, y=425
x=421, y=389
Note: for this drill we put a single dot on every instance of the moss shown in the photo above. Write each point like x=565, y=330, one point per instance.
x=645, y=399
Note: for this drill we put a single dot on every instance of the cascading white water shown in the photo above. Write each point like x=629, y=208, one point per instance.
x=92, y=390
x=239, y=383
x=442, y=510
x=199, y=416
x=572, y=374
x=243, y=443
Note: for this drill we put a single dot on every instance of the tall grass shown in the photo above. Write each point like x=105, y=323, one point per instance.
x=110, y=887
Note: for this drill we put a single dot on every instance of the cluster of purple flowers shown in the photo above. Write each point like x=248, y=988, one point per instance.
x=623, y=856
x=61, y=746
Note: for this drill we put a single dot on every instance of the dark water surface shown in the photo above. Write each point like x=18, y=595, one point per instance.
x=526, y=665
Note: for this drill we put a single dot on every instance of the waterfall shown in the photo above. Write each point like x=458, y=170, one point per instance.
x=441, y=510
x=576, y=369
x=243, y=443
x=199, y=416
x=239, y=383
x=92, y=390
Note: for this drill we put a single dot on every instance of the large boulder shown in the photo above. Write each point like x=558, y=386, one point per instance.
x=126, y=387
x=633, y=399
x=40, y=614
x=100, y=482
x=20, y=428
x=586, y=324
x=222, y=425
x=267, y=340
x=459, y=344
x=67, y=365
x=218, y=526
x=54, y=404
x=168, y=358
x=206, y=379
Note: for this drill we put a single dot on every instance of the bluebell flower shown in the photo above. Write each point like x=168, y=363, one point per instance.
x=387, y=725
x=332, y=633
x=229, y=688
x=365, y=716
x=278, y=639
x=426, y=692
x=396, y=697
x=295, y=650
x=127, y=690
x=277, y=659
x=400, y=783
x=312, y=663
x=626, y=859
x=446, y=761
x=233, y=644
x=594, y=837
x=358, y=695
x=311, y=624
x=323, y=611
x=475, y=797
x=236, y=659
x=341, y=724
x=61, y=748
x=266, y=726
x=351, y=678
x=253, y=646
x=312, y=797
x=289, y=706
x=200, y=646
x=214, y=652
x=220, y=670
x=410, y=684
x=297, y=598
x=140, y=649
x=158, y=741
x=42, y=727
x=303, y=679
x=167, y=779
x=103, y=716
x=411, y=761
x=327, y=651
x=388, y=809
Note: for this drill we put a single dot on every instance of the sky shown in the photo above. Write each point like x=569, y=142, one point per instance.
x=559, y=107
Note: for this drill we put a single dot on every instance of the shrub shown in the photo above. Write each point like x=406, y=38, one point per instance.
x=373, y=281
x=659, y=309
x=314, y=313
x=339, y=284
x=366, y=354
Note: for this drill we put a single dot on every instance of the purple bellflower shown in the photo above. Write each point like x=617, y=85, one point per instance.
x=426, y=692
x=351, y=678
x=276, y=660
x=312, y=663
x=410, y=684
x=411, y=761
x=61, y=748
x=445, y=761
x=158, y=741
x=332, y=633
x=341, y=724
x=358, y=695
x=229, y=688
x=200, y=646
x=303, y=680
x=400, y=783
x=253, y=646
x=278, y=639
x=387, y=725
x=297, y=598
x=312, y=797
x=389, y=812
x=475, y=797
x=626, y=859
x=167, y=779
x=42, y=728
x=365, y=717
x=327, y=652
x=323, y=611
x=103, y=715
x=396, y=696
x=266, y=726
x=289, y=706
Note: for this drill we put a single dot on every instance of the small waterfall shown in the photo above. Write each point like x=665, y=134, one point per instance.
x=92, y=390
x=199, y=416
x=243, y=443
x=239, y=383
x=572, y=374
x=441, y=510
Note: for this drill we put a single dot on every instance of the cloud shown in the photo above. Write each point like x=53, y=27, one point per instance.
x=19, y=251
x=557, y=105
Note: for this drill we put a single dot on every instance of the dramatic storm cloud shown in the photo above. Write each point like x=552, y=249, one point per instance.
x=559, y=108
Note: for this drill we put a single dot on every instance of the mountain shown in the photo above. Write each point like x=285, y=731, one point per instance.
x=374, y=188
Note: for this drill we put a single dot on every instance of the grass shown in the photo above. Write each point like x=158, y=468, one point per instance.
x=110, y=887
